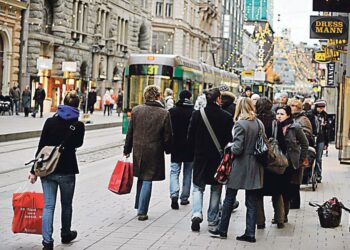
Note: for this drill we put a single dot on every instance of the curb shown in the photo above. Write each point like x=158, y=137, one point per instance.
x=37, y=133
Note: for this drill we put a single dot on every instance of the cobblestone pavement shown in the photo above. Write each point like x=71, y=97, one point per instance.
x=108, y=221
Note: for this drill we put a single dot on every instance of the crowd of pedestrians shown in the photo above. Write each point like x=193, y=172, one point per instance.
x=195, y=136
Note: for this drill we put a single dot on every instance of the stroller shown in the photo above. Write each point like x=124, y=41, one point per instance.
x=6, y=105
x=309, y=176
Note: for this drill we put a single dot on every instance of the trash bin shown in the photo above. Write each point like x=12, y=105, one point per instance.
x=47, y=105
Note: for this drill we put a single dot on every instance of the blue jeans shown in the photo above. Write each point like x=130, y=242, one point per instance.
x=213, y=210
x=319, y=153
x=143, y=196
x=251, y=200
x=175, y=169
x=50, y=184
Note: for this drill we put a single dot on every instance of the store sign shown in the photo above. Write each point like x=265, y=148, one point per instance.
x=331, y=5
x=329, y=27
x=338, y=44
x=259, y=76
x=331, y=54
x=247, y=75
x=330, y=74
x=69, y=66
x=44, y=63
x=320, y=57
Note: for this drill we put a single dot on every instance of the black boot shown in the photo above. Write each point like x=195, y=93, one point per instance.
x=174, y=203
x=67, y=238
x=47, y=246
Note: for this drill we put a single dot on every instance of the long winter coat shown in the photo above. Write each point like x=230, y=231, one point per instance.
x=26, y=98
x=180, y=120
x=206, y=156
x=54, y=132
x=149, y=135
x=247, y=172
x=296, y=152
x=305, y=124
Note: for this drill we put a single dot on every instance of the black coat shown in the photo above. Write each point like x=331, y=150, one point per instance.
x=91, y=98
x=39, y=95
x=54, y=132
x=180, y=120
x=206, y=156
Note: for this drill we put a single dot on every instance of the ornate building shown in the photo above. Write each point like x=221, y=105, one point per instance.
x=188, y=28
x=10, y=43
x=83, y=43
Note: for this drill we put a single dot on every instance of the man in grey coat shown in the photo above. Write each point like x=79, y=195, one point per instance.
x=149, y=136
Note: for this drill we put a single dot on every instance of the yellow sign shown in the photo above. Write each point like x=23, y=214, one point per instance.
x=247, y=73
x=320, y=56
x=331, y=54
x=337, y=42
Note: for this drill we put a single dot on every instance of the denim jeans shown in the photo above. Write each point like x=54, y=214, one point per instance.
x=175, y=169
x=16, y=103
x=143, y=196
x=50, y=184
x=251, y=198
x=319, y=153
x=213, y=210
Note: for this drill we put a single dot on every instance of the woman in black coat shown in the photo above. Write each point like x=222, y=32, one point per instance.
x=272, y=182
x=54, y=133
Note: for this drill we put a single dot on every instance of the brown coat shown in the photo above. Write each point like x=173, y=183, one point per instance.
x=149, y=135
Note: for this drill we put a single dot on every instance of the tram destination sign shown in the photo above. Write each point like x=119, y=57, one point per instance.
x=150, y=69
x=329, y=27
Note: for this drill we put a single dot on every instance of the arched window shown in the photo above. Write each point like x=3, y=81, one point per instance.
x=143, y=37
x=48, y=12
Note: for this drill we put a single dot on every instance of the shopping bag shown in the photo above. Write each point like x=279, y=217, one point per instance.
x=122, y=178
x=28, y=209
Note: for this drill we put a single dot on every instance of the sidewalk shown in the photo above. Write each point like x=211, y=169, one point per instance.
x=20, y=127
x=108, y=221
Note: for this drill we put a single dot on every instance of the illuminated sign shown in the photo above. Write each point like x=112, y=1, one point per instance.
x=329, y=27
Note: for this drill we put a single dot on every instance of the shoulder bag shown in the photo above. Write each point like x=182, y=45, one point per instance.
x=47, y=159
x=261, y=145
x=277, y=161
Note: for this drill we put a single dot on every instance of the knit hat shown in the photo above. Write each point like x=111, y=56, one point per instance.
x=284, y=94
x=223, y=87
x=185, y=94
x=320, y=103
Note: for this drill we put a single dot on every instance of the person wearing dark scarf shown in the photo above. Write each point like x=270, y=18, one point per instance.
x=272, y=182
x=54, y=133
x=294, y=144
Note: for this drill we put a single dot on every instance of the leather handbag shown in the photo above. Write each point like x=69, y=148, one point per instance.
x=47, y=159
x=261, y=145
x=277, y=162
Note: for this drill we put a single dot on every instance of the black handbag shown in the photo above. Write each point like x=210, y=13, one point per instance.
x=330, y=212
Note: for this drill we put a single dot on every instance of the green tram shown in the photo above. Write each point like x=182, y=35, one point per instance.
x=170, y=71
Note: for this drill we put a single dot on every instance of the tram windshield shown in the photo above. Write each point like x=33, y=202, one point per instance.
x=142, y=75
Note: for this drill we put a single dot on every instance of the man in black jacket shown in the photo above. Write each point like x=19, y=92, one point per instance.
x=207, y=157
x=181, y=152
x=91, y=100
x=322, y=135
x=39, y=97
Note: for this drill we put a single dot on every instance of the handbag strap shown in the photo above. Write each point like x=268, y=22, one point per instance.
x=274, y=129
x=211, y=132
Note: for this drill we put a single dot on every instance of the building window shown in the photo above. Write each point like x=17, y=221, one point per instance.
x=159, y=8
x=162, y=43
x=123, y=34
x=48, y=13
x=169, y=8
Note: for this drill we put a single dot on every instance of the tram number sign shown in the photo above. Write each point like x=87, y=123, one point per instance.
x=151, y=69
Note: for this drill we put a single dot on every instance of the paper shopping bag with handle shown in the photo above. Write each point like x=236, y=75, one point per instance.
x=28, y=209
x=122, y=178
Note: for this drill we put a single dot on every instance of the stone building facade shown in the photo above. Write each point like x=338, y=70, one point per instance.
x=10, y=43
x=188, y=28
x=83, y=43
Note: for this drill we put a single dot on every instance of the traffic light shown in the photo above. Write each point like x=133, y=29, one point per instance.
x=332, y=5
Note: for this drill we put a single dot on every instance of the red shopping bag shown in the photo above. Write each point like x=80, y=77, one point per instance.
x=122, y=178
x=28, y=209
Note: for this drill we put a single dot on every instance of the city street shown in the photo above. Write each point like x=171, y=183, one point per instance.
x=106, y=221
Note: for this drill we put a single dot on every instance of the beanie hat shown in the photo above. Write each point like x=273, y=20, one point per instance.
x=185, y=94
x=320, y=103
x=223, y=87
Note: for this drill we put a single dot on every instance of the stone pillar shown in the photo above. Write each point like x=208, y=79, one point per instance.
x=75, y=13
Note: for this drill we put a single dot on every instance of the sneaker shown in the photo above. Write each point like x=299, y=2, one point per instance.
x=196, y=221
x=319, y=179
x=185, y=202
x=217, y=234
x=280, y=225
x=143, y=217
x=174, y=203
x=33, y=115
x=262, y=226
x=67, y=238
x=47, y=246
x=246, y=238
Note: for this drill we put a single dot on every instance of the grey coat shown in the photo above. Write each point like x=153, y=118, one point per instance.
x=247, y=172
x=26, y=98
x=149, y=135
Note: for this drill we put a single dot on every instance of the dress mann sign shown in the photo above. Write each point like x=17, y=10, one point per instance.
x=326, y=27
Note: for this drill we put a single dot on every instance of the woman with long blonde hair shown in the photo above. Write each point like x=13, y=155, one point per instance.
x=246, y=172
